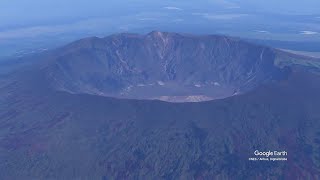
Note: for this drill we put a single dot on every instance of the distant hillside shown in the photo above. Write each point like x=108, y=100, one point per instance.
x=308, y=46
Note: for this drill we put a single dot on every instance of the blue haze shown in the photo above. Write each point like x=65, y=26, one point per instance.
x=29, y=25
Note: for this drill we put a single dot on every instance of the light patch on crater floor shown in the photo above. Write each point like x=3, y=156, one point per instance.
x=177, y=99
x=141, y=85
x=161, y=83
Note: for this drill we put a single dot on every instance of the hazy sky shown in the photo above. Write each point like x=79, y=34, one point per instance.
x=29, y=24
x=27, y=12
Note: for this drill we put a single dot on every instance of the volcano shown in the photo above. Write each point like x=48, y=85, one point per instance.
x=107, y=108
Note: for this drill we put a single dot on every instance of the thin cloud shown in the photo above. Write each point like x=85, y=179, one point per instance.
x=220, y=16
x=178, y=20
x=147, y=19
x=226, y=4
x=233, y=7
x=173, y=8
x=308, y=32
x=151, y=16
x=262, y=31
